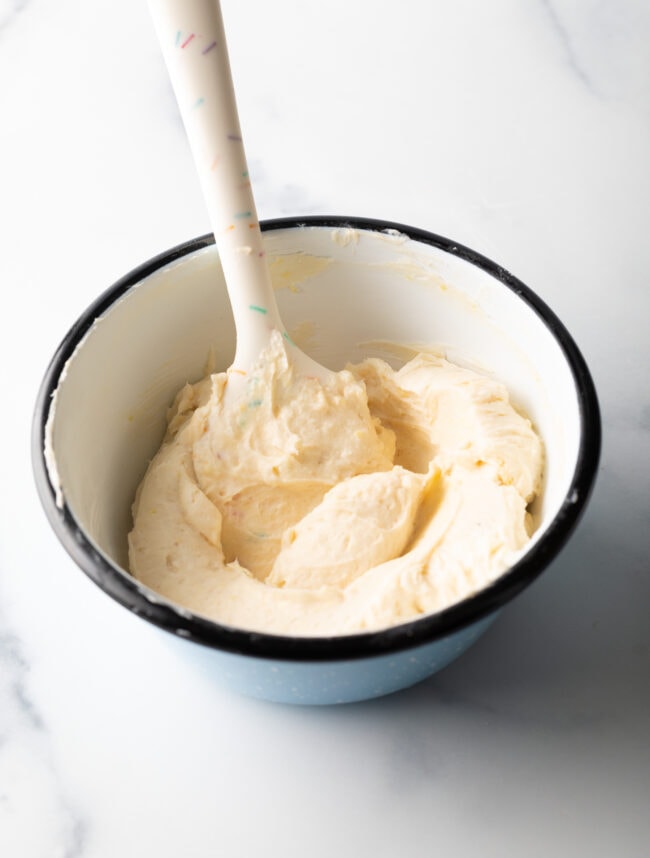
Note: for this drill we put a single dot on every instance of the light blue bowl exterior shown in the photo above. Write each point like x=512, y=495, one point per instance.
x=319, y=683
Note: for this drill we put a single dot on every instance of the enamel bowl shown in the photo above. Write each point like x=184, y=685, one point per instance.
x=347, y=289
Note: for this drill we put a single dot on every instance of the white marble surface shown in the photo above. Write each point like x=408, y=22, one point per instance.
x=519, y=128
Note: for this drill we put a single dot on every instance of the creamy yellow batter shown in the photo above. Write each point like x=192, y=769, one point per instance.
x=308, y=509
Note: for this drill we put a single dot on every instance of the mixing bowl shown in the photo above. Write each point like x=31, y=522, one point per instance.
x=347, y=288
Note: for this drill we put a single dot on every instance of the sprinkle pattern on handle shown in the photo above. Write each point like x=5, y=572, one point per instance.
x=193, y=43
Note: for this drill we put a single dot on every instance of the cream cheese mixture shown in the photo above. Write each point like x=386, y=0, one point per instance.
x=305, y=508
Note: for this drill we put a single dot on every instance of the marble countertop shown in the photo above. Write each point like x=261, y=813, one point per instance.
x=521, y=129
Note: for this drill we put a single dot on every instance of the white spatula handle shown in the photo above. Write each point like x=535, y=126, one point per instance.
x=193, y=43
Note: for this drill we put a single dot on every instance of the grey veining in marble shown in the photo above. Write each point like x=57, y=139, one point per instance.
x=35, y=811
x=520, y=129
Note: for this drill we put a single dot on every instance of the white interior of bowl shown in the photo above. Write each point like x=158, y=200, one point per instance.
x=343, y=295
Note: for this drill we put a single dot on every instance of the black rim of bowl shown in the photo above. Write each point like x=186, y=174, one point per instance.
x=124, y=589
